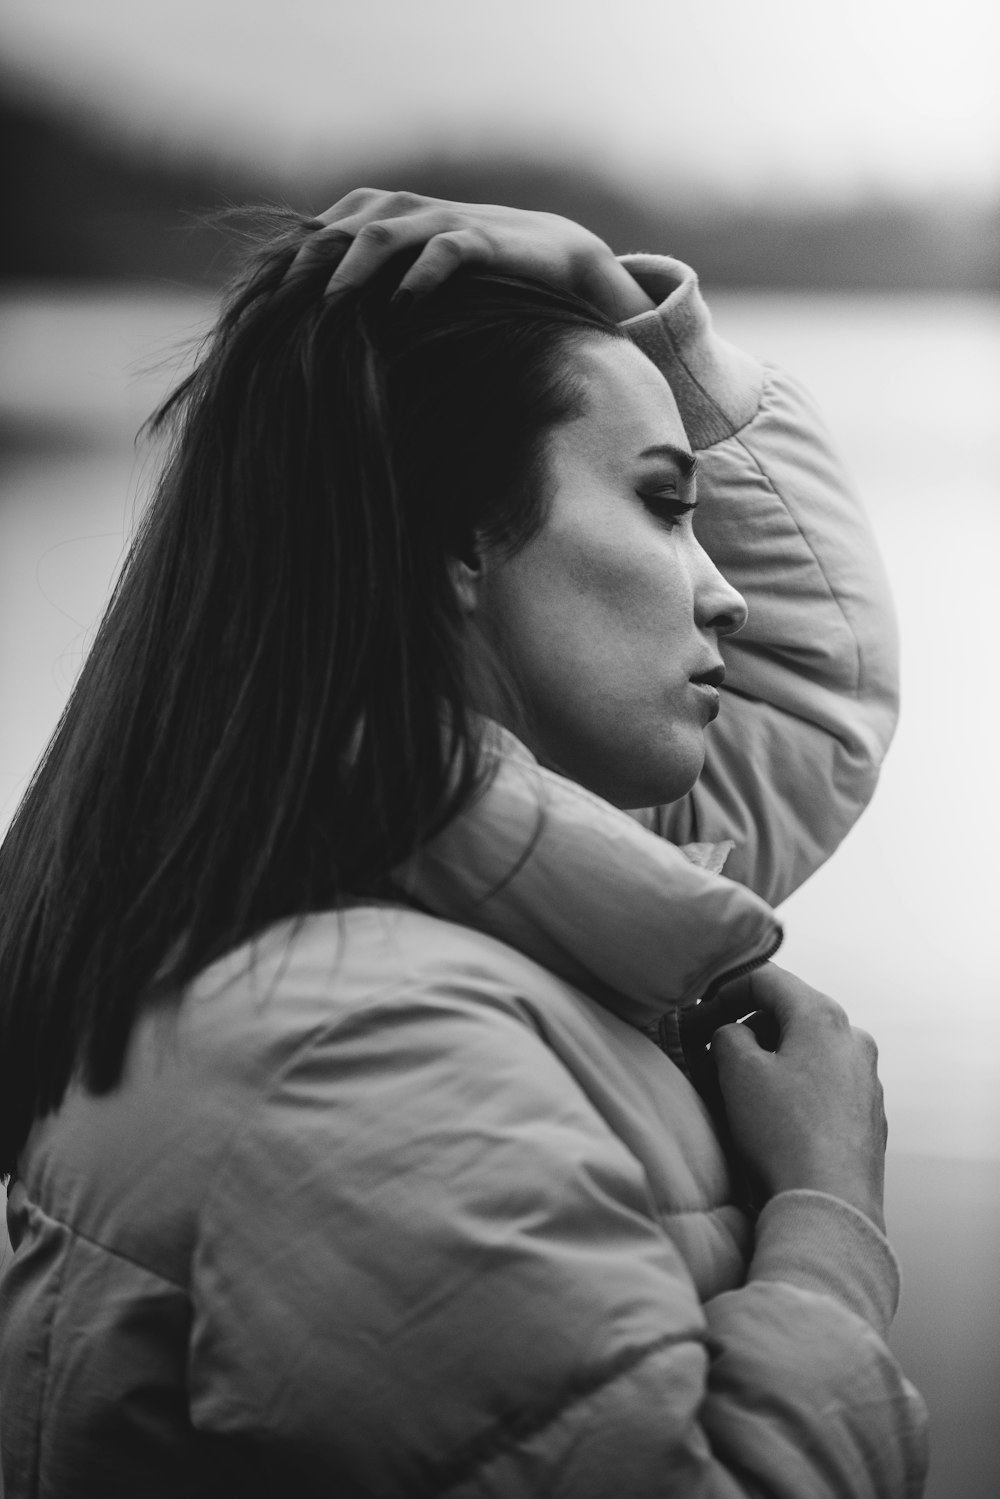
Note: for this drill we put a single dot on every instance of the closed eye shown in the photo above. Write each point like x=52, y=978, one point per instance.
x=668, y=505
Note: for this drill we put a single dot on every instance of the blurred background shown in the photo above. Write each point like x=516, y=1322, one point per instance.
x=833, y=173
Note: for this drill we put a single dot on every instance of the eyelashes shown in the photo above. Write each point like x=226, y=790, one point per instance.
x=667, y=505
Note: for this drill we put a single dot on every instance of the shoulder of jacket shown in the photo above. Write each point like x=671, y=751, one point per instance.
x=302, y=978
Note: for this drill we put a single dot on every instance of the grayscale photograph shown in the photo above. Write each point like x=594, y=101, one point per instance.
x=499, y=529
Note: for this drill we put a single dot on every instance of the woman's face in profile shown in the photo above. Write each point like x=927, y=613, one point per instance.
x=612, y=613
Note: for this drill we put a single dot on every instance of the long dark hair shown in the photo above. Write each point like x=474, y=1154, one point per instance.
x=276, y=709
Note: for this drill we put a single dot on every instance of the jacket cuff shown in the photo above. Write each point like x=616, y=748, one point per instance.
x=717, y=387
x=819, y=1243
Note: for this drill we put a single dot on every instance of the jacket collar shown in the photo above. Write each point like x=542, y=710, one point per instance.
x=639, y=924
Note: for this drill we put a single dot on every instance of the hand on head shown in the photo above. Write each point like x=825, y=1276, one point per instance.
x=368, y=228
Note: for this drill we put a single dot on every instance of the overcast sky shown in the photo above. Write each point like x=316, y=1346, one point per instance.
x=749, y=97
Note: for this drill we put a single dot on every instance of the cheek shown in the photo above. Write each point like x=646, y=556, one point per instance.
x=579, y=621
x=600, y=645
x=565, y=601
x=605, y=562
x=633, y=596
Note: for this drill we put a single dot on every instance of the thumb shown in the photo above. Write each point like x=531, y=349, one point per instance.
x=735, y=1045
x=700, y=1022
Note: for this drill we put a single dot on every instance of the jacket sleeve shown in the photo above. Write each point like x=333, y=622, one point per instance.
x=810, y=699
x=428, y=1267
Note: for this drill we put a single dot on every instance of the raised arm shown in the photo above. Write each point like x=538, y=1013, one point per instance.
x=810, y=695
x=811, y=688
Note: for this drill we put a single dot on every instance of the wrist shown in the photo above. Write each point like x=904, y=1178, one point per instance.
x=866, y=1198
x=605, y=282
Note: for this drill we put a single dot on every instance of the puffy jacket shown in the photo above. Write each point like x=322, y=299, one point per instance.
x=403, y=1199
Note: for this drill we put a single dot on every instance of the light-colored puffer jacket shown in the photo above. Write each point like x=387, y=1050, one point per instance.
x=404, y=1201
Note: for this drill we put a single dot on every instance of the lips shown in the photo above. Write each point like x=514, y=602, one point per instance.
x=708, y=684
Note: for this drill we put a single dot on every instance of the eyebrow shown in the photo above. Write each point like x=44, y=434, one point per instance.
x=686, y=462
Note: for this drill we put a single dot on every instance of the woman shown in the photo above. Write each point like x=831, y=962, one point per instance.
x=352, y=1141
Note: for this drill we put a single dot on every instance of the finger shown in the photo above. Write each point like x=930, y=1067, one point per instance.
x=365, y=203
x=321, y=251
x=698, y=1023
x=765, y=1028
x=795, y=1006
x=377, y=242
x=734, y=1041
x=442, y=257
x=343, y=221
x=354, y=204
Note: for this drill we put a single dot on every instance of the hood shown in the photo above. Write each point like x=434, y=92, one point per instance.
x=637, y=923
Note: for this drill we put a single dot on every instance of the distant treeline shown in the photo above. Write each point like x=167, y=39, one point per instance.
x=80, y=205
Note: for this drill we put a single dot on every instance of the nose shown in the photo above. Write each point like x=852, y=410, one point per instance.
x=718, y=605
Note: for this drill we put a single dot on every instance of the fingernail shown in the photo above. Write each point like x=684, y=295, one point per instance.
x=401, y=299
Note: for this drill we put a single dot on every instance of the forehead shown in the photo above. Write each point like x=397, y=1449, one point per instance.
x=628, y=405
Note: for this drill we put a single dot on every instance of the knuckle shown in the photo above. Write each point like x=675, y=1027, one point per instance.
x=375, y=236
x=359, y=197
x=450, y=245
x=331, y=237
x=832, y=1012
x=867, y=1043
x=728, y=1037
x=406, y=202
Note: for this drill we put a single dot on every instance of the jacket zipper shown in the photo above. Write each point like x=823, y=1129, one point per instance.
x=698, y=1023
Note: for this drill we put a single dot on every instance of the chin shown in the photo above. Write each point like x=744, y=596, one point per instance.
x=659, y=795
x=649, y=770
x=654, y=783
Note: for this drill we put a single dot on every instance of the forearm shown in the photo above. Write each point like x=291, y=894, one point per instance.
x=606, y=282
x=811, y=700
x=810, y=696
x=808, y=1328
